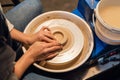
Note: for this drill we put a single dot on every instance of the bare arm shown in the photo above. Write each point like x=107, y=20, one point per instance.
x=37, y=52
x=47, y=45
x=21, y=65
x=19, y=36
x=42, y=35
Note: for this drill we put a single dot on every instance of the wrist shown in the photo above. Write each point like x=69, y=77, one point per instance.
x=28, y=39
x=29, y=57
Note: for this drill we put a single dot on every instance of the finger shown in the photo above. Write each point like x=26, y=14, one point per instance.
x=46, y=56
x=49, y=35
x=50, y=56
x=53, y=44
x=41, y=57
x=46, y=39
x=45, y=28
x=52, y=49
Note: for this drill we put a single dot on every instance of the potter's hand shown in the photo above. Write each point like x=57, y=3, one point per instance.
x=44, y=35
x=42, y=50
x=38, y=51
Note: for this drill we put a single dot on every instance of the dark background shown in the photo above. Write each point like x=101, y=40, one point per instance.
x=49, y=5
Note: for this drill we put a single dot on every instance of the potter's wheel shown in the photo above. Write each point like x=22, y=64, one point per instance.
x=69, y=35
x=74, y=33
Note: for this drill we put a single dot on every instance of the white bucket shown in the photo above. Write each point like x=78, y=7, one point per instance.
x=107, y=25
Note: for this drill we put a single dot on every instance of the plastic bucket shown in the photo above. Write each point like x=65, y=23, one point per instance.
x=107, y=25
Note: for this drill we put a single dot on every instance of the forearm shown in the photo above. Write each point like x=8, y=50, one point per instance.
x=19, y=36
x=22, y=64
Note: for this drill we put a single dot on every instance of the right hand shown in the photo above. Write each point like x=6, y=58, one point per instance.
x=39, y=51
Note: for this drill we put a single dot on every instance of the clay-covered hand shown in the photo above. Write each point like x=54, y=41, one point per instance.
x=43, y=35
x=39, y=51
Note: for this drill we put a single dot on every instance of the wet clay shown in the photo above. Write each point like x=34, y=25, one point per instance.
x=64, y=36
x=111, y=15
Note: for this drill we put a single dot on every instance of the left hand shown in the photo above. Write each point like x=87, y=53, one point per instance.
x=43, y=35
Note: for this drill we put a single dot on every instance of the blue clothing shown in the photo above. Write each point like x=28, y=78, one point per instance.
x=19, y=16
x=23, y=13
